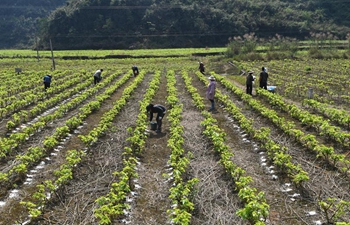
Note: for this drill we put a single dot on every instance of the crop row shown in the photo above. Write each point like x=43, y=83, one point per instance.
x=321, y=125
x=308, y=140
x=14, y=103
x=255, y=207
x=332, y=208
x=34, y=154
x=15, y=139
x=114, y=204
x=181, y=193
x=328, y=78
x=339, y=116
x=65, y=173
x=277, y=153
x=25, y=115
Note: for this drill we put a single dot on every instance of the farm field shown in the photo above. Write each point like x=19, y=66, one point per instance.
x=81, y=153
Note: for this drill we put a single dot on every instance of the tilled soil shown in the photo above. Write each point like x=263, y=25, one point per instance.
x=216, y=200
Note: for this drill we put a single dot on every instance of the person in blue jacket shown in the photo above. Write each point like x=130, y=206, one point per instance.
x=160, y=110
x=47, y=81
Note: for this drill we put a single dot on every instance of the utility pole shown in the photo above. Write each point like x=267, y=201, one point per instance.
x=37, y=48
x=53, y=59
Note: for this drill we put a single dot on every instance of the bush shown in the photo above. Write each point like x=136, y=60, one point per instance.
x=233, y=49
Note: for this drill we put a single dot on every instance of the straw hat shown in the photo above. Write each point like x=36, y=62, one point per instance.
x=250, y=72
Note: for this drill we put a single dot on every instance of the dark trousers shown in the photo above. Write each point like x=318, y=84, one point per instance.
x=159, y=119
x=263, y=85
x=249, y=89
x=96, y=80
x=46, y=85
x=212, y=107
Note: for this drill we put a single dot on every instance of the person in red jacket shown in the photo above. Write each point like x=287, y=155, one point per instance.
x=160, y=110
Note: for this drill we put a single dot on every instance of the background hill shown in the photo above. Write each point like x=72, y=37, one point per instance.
x=105, y=24
x=20, y=21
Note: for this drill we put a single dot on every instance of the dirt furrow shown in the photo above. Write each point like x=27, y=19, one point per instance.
x=215, y=200
x=152, y=203
x=94, y=175
x=324, y=179
x=53, y=162
x=280, y=194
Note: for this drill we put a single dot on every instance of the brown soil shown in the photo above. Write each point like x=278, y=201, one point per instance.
x=216, y=200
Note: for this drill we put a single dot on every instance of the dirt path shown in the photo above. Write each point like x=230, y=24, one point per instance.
x=215, y=200
x=153, y=202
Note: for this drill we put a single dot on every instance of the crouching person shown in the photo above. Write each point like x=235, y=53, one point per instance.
x=160, y=110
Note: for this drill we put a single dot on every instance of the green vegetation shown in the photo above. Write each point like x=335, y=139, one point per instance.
x=75, y=76
x=130, y=24
x=20, y=21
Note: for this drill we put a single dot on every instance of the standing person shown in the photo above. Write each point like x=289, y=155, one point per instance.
x=47, y=81
x=263, y=78
x=249, y=83
x=211, y=92
x=201, y=67
x=160, y=110
x=98, y=76
x=135, y=70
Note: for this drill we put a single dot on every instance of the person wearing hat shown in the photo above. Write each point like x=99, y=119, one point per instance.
x=47, y=81
x=249, y=83
x=211, y=92
x=263, y=78
x=201, y=67
x=160, y=110
x=98, y=76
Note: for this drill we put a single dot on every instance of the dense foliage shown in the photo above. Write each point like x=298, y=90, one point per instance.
x=107, y=24
x=20, y=20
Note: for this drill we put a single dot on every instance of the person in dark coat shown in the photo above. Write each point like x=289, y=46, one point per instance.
x=263, y=78
x=249, y=83
x=160, y=110
x=98, y=76
x=47, y=81
x=135, y=70
x=201, y=67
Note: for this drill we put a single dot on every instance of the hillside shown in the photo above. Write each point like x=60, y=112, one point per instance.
x=20, y=21
x=110, y=24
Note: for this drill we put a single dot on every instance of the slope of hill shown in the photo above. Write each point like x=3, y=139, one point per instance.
x=20, y=20
x=106, y=24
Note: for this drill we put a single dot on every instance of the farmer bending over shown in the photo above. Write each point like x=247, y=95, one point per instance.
x=160, y=110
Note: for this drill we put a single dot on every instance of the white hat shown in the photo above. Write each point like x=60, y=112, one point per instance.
x=211, y=77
